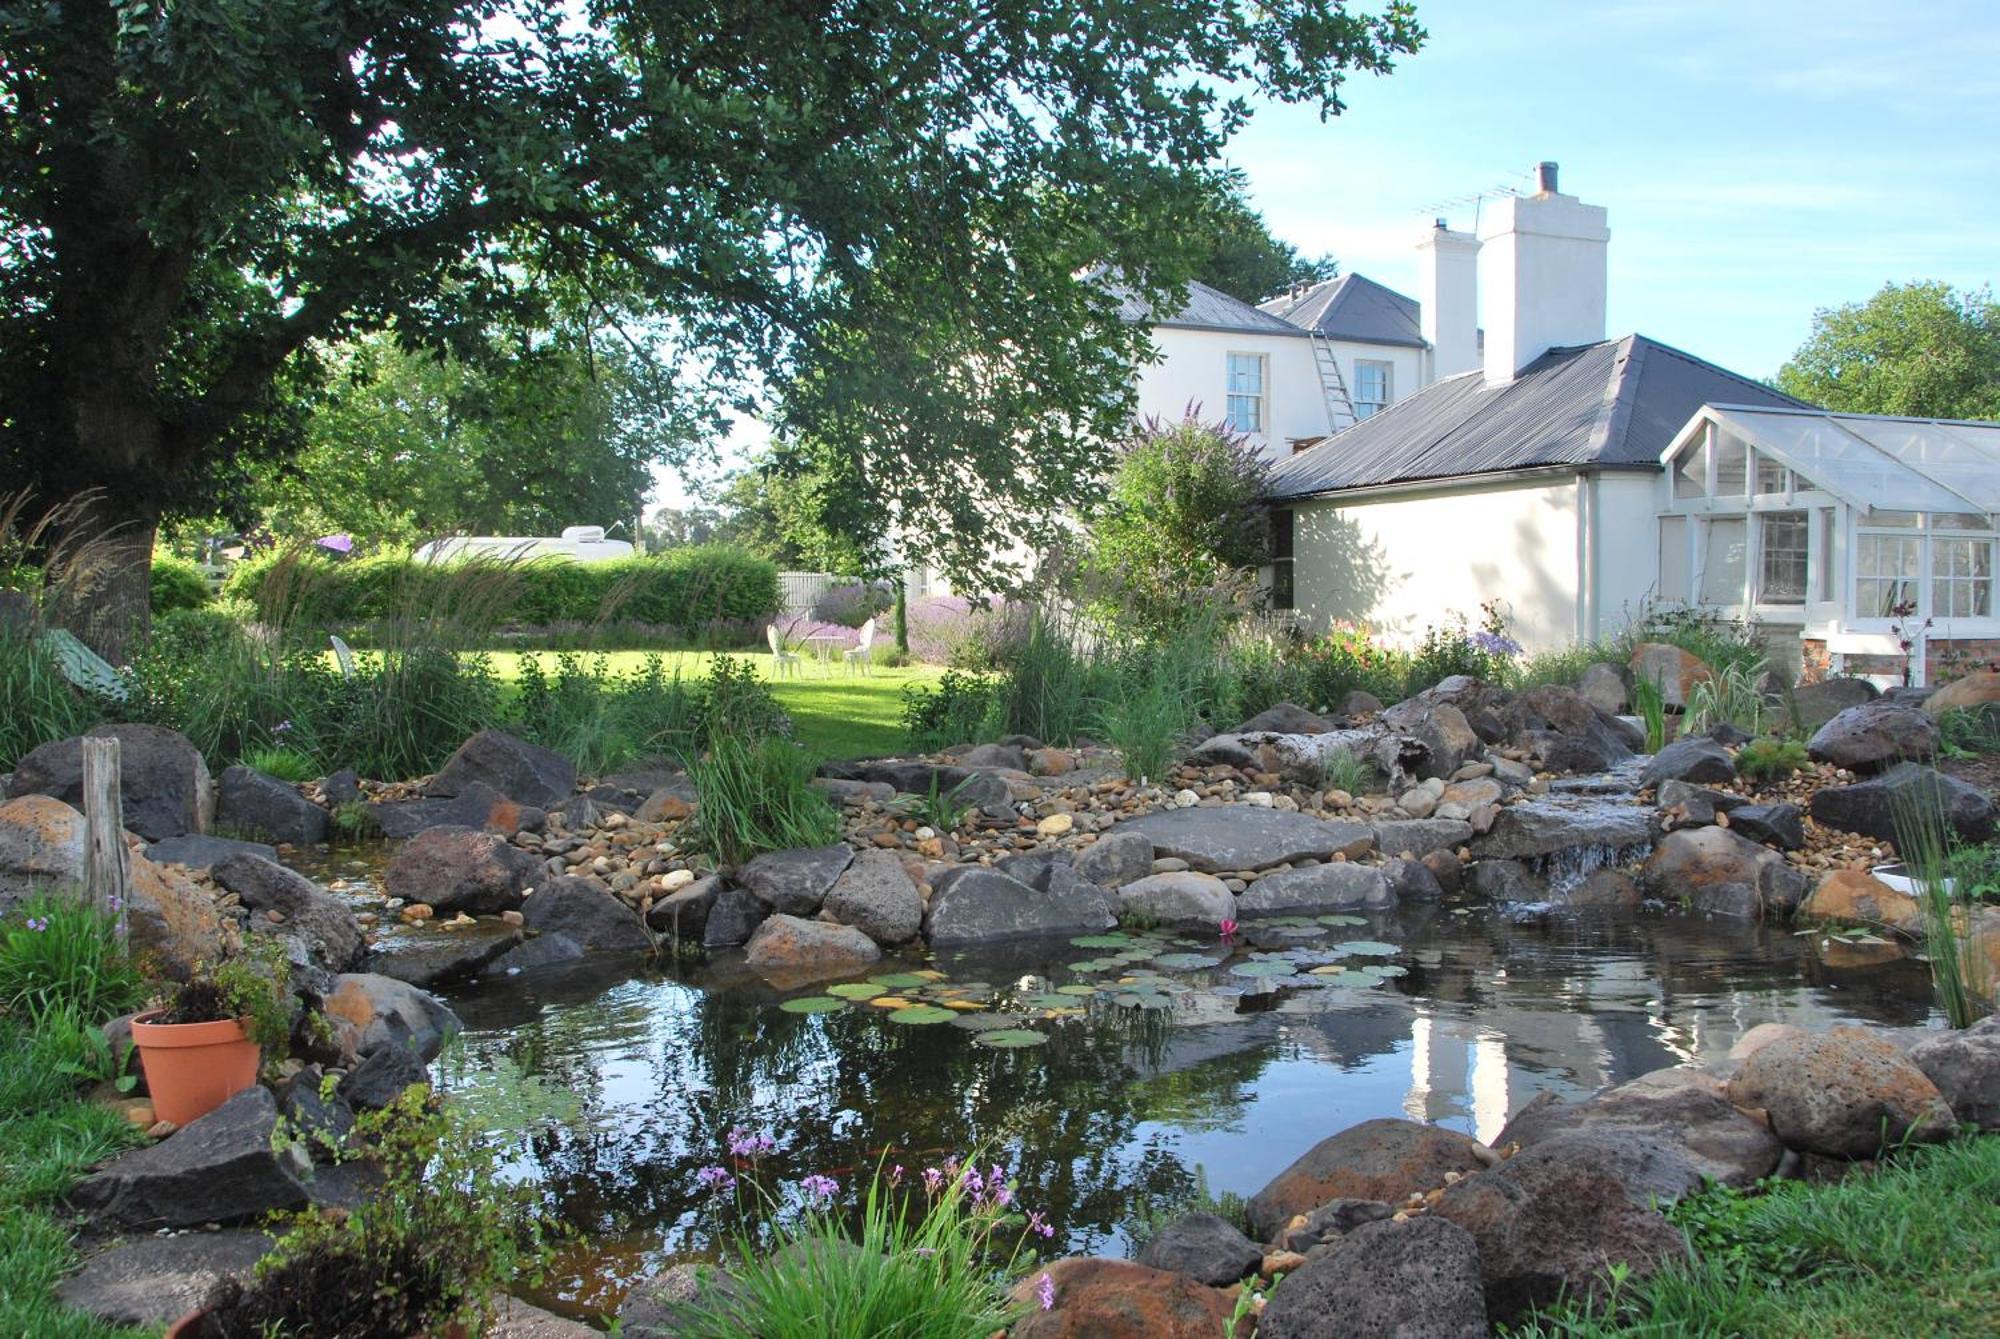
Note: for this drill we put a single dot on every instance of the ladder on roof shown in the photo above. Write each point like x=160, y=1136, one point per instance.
x=1340, y=413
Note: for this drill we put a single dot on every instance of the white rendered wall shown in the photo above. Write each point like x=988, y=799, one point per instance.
x=1542, y=279
x=1448, y=299
x=1404, y=562
x=1627, y=551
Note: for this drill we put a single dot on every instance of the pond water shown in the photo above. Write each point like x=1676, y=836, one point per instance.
x=1166, y=1059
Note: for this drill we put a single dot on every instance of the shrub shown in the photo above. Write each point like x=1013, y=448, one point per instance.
x=1730, y=697
x=1771, y=759
x=954, y=711
x=853, y=604
x=177, y=584
x=600, y=720
x=756, y=797
x=948, y=630
x=37, y=704
x=59, y=951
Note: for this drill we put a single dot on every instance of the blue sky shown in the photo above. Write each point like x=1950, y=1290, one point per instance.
x=1760, y=158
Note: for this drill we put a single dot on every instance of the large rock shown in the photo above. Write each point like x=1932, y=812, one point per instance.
x=1869, y=807
x=1417, y=1279
x=1965, y=1066
x=384, y=1075
x=788, y=945
x=682, y=915
x=1546, y=825
x=1205, y=1248
x=1981, y=688
x=294, y=907
x=662, y=1306
x=1285, y=718
x=796, y=882
x=368, y=1011
x=1718, y=1142
x=1550, y=1223
x=1505, y=881
x=227, y=1167
x=1565, y=733
x=41, y=846
x=733, y=917
x=588, y=914
x=1411, y=881
x=517, y=769
x=875, y=896
x=1846, y=1093
x=1383, y=1160
x=1698, y=760
x=246, y=800
x=151, y=1281
x=1448, y=740
x=434, y=957
x=1118, y=1299
x=1781, y=825
x=1814, y=704
x=974, y=905
x=163, y=782
x=1718, y=873
x=1419, y=837
x=461, y=869
x=1874, y=736
x=477, y=805
x=1235, y=837
x=1338, y=886
x=995, y=758
x=1606, y=687
x=543, y=951
x=1118, y=857
x=198, y=851
x=1856, y=897
x=1674, y=671
x=1183, y=900
x=983, y=790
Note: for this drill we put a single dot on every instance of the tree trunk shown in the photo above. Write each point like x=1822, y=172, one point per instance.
x=104, y=590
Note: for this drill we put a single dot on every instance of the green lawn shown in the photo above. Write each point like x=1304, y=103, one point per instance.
x=838, y=714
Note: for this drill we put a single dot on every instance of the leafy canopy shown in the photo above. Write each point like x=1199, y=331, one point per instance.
x=1924, y=350
x=1240, y=256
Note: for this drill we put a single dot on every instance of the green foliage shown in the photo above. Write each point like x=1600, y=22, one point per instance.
x=352, y=820
x=1649, y=700
x=1960, y=973
x=1970, y=731
x=943, y=810
x=177, y=584
x=1184, y=524
x=1156, y=695
x=1922, y=350
x=59, y=951
x=1340, y=769
x=283, y=763
x=788, y=506
x=953, y=711
x=1730, y=696
x=1154, y=1214
x=1768, y=759
x=1050, y=681
x=255, y=986
x=37, y=704
x=1716, y=642
x=598, y=718
x=757, y=796
x=1241, y=257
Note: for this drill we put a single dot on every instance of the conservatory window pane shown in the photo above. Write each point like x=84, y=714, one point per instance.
x=1885, y=519
x=1885, y=574
x=1674, y=558
x=1781, y=544
x=1829, y=556
x=1959, y=520
x=1770, y=475
x=1961, y=578
x=1691, y=475
x=1724, y=560
x=1732, y=465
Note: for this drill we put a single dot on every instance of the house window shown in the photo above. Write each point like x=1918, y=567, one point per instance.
x=1371, y=387
x=1246, y=392
x=1724, y=560
x=1781, y=563
x=1885, y=573
x=1283, y=523
x=1961, y=578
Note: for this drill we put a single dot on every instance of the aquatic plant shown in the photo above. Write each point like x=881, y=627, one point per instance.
x=757, y=797
x=1924, y=839
x=1650, y=702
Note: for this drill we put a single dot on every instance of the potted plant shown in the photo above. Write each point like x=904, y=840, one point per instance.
x=204, y=1044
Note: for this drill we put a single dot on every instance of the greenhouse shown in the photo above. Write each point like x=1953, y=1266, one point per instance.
x=1858, y=532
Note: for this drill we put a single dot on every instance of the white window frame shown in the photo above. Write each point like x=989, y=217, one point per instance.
x=1927, y=537
x=1260, y=402
x=1388, y=371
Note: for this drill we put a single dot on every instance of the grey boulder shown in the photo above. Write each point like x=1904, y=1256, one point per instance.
x=227, y=1167
x=524, y=772
x=1965, y=1066
x=247, y=800
x=164, y=785
x=796, y=882
x=973, y=905
x=588, y=914
x=1240, y=837
x=1869, y=807
x=1336, y=886
x=294, y=907
x=1845, y=1093
x=1417, y=1279
x=1182, y=900
x=1698, y=760
x=1205, y=1248
x=1118, y=857
x=876, y=896
x=460, y=869
x=1874, y=736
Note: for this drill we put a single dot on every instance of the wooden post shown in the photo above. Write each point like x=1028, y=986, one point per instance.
x=106, y=870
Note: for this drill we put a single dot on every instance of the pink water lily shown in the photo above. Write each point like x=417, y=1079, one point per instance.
x=1228, y=928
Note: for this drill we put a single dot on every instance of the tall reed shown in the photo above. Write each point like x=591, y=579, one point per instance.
x=1925, y=841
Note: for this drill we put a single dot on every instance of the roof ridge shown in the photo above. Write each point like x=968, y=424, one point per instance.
x=1761, y=387
x=1619, y=393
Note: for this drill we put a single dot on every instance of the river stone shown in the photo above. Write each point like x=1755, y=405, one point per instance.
x=1698, y=799
x=1420, y=836
x=432, y=957
x=320, y=922
x=1181, y=900
x=1717, y=1141
x=226, y=1167
x=1118, y=857
x=787, y=944
x=1411, y=881
x=164, y=787
x=1558, y=823
x=1339, y=886
x=796, y=882
x=1867, y=807
x=1118, y=1299
x=1606, y=687
x=248, y=801
x=1285, y=718
x=1874, y=736
x=368, y=1011
x=1718, y=873
x=1381, y=1159
x=151, y=1281
x=1846, y=1093
x=1965, y=1066
x=1417, y=1279
x=1698, y=760
x=459, y=869
x=972, y=905
x=515, y=1319
x=1781, y=825
x=1674, y=671
x=1205, y=1248
x=1505, y=881
x=1549, y=1223
x=521, y=771
x=875, y=895
x=1602, y=890
x=682, y=915
x=1856, y=897
x=1331, y=1221
x=1243, y=837
x=659, y=1307
x=588, y=913
x=198, y=851
x=733, y=917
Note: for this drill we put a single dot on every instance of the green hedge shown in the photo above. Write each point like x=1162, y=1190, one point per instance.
x=177, y=584
x=687, y=588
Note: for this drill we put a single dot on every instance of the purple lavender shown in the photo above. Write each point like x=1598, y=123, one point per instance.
x=1045, y=1291
x=819, y=1189
x=744, y=1144
x=714, y=1179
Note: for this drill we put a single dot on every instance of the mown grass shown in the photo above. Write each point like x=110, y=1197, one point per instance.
x=1912, y=1249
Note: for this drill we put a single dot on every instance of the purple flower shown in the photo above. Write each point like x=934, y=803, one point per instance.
x=996, y=1187
x=714, y=1178
x=282, y=727
x=1496, y=644
x=819, y=1189
x=972, y=1181
x=1039, y=1225
x=933, y=1178
x=744, y=1144
x=896, y=1175
x=38, y=923
x=1045, y=1291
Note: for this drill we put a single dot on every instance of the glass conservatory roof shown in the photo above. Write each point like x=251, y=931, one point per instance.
x=1868, y=460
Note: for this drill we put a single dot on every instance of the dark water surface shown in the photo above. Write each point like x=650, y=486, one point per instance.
x=613, y=1087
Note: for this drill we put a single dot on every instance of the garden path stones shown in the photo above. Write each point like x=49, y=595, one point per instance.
x=1718, y=1141
x=795, y=883
x=1333, y=887
x=1417, y=1279
x=1205, y=1248
x=875, y=895
x=321, y=923
x=1383, y=1160
x=792, y=947
x=1419, y=837
x=247, y=800
x=523, y=772
x=1119, y=857
x=200, y=852
x=1845, y=1093
x=1183, y=899
x=223, y=1168
x=367, y=1011
x=1874, y=736
x=975, y=905
x=459, y=869
x=163, y=782
x=152, y=1281
x=1868, y=807
x=1243, y=837
x=585, y=912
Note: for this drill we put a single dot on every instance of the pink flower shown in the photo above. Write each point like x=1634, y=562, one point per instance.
x=819, y=1189
x=1045, y=1291
x=1228, y=928
x=896, y=1175
x=1039, y=1225
x=714, y=1178
x=933, y=1179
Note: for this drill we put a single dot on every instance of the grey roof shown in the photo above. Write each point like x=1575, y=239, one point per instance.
x=1205, y=309
x=1617, y=404
x=1353, y=308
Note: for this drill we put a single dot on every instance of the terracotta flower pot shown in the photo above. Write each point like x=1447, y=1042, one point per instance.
x=193, y=1068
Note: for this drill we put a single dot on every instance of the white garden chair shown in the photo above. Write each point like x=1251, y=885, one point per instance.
x=859, y=657
x=782, y=661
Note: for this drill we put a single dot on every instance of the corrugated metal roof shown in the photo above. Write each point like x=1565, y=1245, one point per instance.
x=1619, y=402
x=1354, y=308
x=1205, y=309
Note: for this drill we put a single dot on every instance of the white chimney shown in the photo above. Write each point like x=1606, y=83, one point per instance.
x=1544, y=275
x=1448, y=296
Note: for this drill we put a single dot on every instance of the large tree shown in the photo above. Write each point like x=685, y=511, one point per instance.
x=873, y=211
x=1239, y=254
x=1920, y=349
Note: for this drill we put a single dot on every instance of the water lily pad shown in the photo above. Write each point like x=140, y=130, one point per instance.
x=857, y=990
x=1331, y=969
x=1341, y=919
x=964, y=1006
x=891, y=1002
x=1367, y=948
x=922, y=1013
x=812, y=1004
x=1076, y=990
x=1264, y=967
x=1009, y=1038
x=1185, y=962
x=901, y=980
x=1102, y=941
x=1091, y=966
x=1142, y=1001
x=986, y=1022
x=1049, y=1000
x=1389, y=969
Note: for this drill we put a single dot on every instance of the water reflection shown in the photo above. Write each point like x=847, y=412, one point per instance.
x=1120, y=1104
